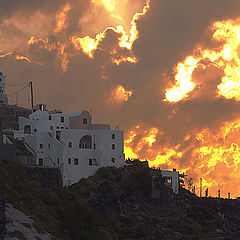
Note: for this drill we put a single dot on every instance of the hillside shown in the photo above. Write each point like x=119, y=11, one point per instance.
x=129, y=203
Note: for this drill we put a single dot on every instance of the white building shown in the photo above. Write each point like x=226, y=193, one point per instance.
x=3, y=96
x=171, y=179
x=71, y=142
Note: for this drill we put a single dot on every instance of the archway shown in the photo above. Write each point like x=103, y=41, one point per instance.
x=86, y=142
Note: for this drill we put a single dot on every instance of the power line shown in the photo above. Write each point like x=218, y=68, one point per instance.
x=18, y=90
x=18, y=84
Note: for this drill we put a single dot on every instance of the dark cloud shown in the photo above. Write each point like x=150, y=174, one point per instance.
x=167, y=34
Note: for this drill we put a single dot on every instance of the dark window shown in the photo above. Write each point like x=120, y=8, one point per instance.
x=66, y=127
x=75, y=161
x=86, y=142
x=113, y=159
x=62, y=127
x=57, y=127
x=113, y=136
x=27, y=129
x=85, y=121
x=40, y=161
x=94, y=145
x=51, y=127
x=69, y=160
x=70, y=144
x=50, y=117
x=41, y=146
x=58, y=161
x=113, y=146
x=62, y=119
x=35, y=130
x=49, y=145
x=90, y=162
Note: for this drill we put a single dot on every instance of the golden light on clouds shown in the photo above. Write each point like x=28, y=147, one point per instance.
x=120, y=95
x=225, y=57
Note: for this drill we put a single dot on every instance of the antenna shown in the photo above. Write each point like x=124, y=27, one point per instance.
x=31, y=92
x=91, y=111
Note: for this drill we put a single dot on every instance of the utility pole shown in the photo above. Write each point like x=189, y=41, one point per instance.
x=206, y=193
x=219, y=194
x=31, y=91
x=200, y=187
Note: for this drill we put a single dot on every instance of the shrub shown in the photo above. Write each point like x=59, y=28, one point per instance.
x=27, y=225
x=16, y=234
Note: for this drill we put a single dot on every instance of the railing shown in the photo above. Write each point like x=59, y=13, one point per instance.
x=30, y=149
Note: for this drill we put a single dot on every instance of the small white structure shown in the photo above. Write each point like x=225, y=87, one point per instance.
x=3, y=96
x=71, y=142
x=171, y=179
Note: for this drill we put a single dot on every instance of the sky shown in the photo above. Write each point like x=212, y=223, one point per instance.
x=165, y=71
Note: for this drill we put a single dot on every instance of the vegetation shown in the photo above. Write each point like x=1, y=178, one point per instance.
x=17, y=234
x=116, y=204
x=57, y=211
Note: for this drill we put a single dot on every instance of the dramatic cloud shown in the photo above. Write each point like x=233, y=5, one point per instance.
x=166, y=71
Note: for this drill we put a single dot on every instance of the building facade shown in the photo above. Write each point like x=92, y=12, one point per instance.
x=171, y=179
x=71, y=142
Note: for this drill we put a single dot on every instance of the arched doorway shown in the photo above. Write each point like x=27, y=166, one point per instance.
x=85, y=142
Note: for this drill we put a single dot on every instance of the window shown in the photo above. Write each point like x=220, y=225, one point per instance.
x=50, y=117
x=62, y=127
x=94, y=146
x=86, y=142
x=49, y=145
x=113, y=160
x=85, y=121
x=69, y=160
x=58, y=161
x=35, y=130
x=113, y=136
x=70, y=144
x=40, y=161
x=75, y=161
x=62, y=119
x=27, y=129
x=113, y=146
x=90, y=162
x=41, y=146
x=57, y=127
x=51, y=127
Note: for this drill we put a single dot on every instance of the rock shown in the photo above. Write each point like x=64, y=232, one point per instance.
x=2, y=217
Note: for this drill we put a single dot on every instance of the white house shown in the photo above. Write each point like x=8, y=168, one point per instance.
x=71, y=142
x=171, y=179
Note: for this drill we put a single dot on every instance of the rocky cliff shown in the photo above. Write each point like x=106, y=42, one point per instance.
x=129, y=203
x=9, y=115
x=2, y=217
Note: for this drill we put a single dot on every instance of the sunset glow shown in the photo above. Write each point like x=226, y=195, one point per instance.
x=171, y=81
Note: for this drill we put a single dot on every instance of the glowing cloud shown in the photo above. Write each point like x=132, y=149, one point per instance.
x=89, y=45
x=61, y=18
x=225, y=57
x=183, y=79
x=120, y=95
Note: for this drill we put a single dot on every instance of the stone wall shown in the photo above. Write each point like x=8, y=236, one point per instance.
x=2, y=217
x=48, y=177
x=7, y=152
x=9, y=115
